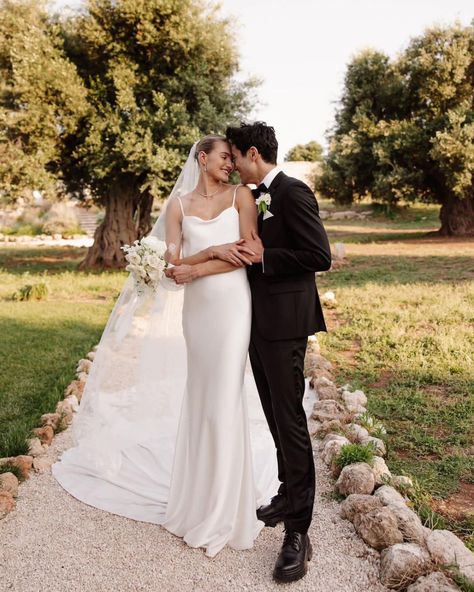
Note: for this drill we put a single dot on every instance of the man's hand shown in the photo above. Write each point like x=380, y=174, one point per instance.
x=183, y=274
x=253, y=245
x=234, y=253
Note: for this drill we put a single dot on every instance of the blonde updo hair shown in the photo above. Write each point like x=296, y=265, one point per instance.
x=206, y=144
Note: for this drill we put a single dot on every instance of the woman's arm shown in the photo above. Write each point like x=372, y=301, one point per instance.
x=247, y=222
x=226, y=252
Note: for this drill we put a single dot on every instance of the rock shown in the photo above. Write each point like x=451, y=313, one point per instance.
x=447, y=549
x=328, y=299
x=357, y=431
x=433, y=582
x=339, y=251
x=352, y=402
x=57, y=236
x=332, y=436
x=381, y=471
x=65, y=408
x=356, y=478
x=316, y=373
x=325, y=388
x=9, y=482
x=41, y=465
x=76, y=388
x=332, y=449
x=84, y=365
x=23, y=463
x=343, y=215
x=329, y=426
x=327, y=410
x=388, y=495
x=402, y=564
x=401, y=482
x=7, y=503
x=378, y=528
x=91, y=356
x=82, y=376
x=322, y=363
x=51, y=419
x=72, y=400
x=358, y=504
x=378, y=444
x=35, y=447
x=357, y=398
x=45, y=434
x=409, y=523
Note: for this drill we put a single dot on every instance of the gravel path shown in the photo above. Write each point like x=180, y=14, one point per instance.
x=54, y=543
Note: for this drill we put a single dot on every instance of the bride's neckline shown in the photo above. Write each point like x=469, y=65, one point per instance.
x=210, y=219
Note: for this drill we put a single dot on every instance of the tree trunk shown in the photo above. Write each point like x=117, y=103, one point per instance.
x=144, y=215
x=457, y=217
x=117, y=229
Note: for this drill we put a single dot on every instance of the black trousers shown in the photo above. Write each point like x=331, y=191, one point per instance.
x=278, y=370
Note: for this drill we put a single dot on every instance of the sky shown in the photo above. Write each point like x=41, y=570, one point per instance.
x=300, y=50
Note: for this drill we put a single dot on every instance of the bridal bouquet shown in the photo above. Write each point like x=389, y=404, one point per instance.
x=146, y=262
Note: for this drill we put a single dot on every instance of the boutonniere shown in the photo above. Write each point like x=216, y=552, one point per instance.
x=263, y=203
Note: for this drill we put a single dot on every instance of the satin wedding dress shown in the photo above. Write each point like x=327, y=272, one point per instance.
x=203, y=476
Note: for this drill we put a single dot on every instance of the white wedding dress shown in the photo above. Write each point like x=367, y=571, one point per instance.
x=204, y=476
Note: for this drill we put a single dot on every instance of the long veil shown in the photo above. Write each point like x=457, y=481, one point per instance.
x=134, y=389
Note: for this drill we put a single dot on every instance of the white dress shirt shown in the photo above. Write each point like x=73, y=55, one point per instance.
x=267, y=180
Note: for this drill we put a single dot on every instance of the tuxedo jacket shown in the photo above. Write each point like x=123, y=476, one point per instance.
x=285, y=302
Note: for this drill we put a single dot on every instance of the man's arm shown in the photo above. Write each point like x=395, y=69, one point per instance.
x=311, y=251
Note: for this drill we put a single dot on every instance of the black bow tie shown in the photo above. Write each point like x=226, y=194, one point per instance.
x=262, y=188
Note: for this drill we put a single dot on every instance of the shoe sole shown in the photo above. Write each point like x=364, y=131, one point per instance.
x=298, y=573
x=274, y=522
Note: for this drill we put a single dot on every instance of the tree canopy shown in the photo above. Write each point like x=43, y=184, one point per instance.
x=405, y=128
x=310, y=152
x=42, y=100
x=111, y=99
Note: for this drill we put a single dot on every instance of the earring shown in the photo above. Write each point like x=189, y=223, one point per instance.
x=205, y=168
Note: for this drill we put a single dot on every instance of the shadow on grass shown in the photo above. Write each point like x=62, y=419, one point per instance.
x=401, y=269
x=38, y=362
x=18, y=260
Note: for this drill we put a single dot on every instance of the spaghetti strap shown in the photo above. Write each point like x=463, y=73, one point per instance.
x=235, y=193
x=181, y=205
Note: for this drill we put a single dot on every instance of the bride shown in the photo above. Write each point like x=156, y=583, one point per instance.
x=165, y=432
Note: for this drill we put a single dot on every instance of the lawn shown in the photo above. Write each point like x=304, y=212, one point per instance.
x=403, y=332
x=42, y=341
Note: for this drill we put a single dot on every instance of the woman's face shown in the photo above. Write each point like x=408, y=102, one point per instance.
x=219, y=161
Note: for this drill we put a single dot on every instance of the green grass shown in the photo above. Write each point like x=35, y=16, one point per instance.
x=41, y=341
x=403, y=332
x=353, y=453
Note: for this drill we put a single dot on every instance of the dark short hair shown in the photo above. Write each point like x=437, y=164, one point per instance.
x=258, y=134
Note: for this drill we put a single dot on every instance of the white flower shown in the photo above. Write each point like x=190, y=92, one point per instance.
x=133, y=257
x=151, y=241
x=263, y=202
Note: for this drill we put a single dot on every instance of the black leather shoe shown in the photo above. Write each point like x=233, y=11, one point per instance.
x=292, y=563
x=274, y=512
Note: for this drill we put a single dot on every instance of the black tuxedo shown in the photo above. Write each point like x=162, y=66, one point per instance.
x=285, y=310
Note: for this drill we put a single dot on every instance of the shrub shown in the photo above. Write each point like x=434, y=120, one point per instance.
x=61, y=219
x=353, y=453
x=32, y=292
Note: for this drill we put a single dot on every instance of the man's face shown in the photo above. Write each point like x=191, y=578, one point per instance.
x=245, y=165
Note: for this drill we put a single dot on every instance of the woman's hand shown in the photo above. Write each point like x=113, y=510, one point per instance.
x=238, y=256
x=183, y=274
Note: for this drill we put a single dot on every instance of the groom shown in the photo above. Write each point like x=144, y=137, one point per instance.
x=292, y=245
